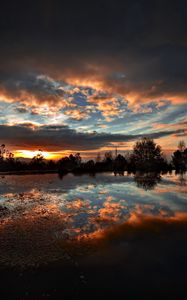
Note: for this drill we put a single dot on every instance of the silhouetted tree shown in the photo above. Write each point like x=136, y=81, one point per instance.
x=120, y=162
x=70, y=163
x=2, y=151
x=179, y=157
x=89, y=166
x=9, y=156
x=78, y=159
x=7, y=162
x=108, y=156
x=37, y=162
x=147, y=155
x=72, y=158
x=66, y=164
x=51, y=165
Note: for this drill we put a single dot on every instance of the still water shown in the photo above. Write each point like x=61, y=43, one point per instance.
x=40, y=212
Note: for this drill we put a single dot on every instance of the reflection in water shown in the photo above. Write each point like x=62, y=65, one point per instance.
x=120, y=173
x=182, y=178
x=147, y=181
x=42, y=216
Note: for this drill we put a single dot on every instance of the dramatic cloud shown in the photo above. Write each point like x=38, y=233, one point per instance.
x=33, y=89
x=118, y=68
x=53, y=137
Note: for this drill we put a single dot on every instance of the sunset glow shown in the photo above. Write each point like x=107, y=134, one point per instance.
x=64, y=95
x=47, y=155
x=31, y=154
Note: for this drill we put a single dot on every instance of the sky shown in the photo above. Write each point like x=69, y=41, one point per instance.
x=89, y=76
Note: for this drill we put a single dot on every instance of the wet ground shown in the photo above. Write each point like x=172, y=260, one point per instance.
x=93, y=236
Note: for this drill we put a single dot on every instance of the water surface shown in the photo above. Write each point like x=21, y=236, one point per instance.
x=39, y=211
x=91, y=234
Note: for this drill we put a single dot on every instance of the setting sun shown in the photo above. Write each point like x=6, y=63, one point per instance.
x=31, y=154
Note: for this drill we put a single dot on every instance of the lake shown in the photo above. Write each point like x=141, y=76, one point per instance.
x=93, y=230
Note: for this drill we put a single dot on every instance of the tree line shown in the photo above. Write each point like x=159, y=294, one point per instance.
x=145, y=156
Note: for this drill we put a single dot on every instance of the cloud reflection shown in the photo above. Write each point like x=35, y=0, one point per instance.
x=44, y=224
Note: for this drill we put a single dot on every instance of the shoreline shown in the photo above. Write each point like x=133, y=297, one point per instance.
x=28, y=172
x=32, y=172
